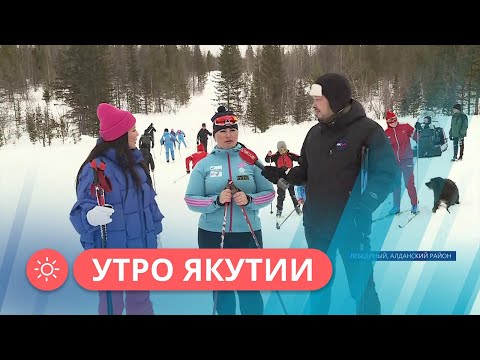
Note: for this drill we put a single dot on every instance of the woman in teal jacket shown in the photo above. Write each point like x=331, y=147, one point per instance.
x=208, y=194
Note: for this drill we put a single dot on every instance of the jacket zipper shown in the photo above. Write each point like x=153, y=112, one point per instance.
x=398, y=144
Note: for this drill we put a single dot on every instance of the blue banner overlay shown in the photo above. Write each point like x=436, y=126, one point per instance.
x=404, y=255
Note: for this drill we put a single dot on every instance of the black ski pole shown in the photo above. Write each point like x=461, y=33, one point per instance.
x=278, y=226
x=180, y=178
x=100, y=194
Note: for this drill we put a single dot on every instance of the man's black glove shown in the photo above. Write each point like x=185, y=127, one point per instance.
x=418, y=126
x=273, y=174
x=451, y=137
x=362, y=218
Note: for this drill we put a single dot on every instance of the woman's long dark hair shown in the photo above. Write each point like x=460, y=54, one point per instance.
x=124, y=158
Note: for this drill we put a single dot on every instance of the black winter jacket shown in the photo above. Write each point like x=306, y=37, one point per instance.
x=330, y=162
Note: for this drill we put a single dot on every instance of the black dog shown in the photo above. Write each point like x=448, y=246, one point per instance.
x=444, y=190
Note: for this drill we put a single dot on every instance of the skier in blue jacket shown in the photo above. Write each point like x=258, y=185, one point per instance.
x=208, y=194
x=169, y=141
x=181, y=138
x=134, y=219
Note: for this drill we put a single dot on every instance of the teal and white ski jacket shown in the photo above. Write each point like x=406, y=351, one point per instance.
x=210, y=176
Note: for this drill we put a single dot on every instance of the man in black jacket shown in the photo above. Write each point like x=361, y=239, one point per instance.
x=150, y=130
x=348, y=167
x=146, y=140
x=203, y=135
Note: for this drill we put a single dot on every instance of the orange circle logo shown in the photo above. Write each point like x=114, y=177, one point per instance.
x=47, y=269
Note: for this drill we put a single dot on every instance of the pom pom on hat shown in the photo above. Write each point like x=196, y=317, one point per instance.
x=222, y=111
x=114, y=122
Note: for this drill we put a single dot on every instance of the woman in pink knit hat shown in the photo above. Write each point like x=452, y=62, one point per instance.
x=131, y=216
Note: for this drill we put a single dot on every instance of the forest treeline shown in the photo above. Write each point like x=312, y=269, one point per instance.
x=265, y=86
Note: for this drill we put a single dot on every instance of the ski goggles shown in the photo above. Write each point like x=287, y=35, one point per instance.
x=225, y=120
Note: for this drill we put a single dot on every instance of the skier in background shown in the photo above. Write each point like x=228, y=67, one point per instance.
x=169, y=142
x=150, y=130
x=181, y=138
x=203, y=135
x=195, y=157
x=399, y=136
x=284, y=159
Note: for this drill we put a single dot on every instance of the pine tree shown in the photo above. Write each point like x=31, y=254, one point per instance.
x=31, y=127
x=302, y=103
x=159, y=71
x=257, y=112
x=117, y=57
x=133, y=87
x=250, y=60
x=84, y=81
x=199, y=68
x=228, y=87
x=145, y=79
x=183, y=73
x=274, y=80
x=210, y=62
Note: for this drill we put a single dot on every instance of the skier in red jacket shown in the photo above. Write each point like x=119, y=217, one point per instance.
x=195, y=157
x=399, y=136
x=284, y=159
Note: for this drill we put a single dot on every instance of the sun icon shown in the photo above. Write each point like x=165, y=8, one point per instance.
x=47, y=269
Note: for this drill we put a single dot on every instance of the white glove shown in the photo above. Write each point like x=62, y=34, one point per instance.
x=100, y=215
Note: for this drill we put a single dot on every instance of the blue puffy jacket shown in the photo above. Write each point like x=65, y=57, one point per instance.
x=210, y=176
x=137, y=220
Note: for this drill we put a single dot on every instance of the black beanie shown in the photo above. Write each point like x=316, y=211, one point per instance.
x=458, y=107
x=221, y=111
x=336, y=89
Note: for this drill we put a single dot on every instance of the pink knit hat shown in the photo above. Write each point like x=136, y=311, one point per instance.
x=113, y=121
